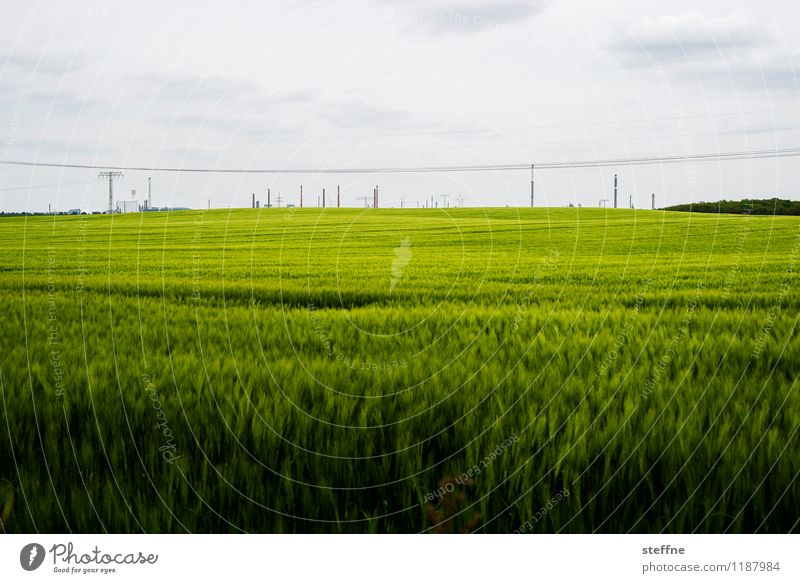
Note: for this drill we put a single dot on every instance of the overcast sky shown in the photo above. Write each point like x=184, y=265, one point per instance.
x=366, y=83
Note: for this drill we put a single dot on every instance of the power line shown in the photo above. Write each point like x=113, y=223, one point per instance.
x=705, y=157
x=611, y=122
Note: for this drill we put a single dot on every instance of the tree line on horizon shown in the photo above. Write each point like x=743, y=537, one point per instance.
x=768, y=206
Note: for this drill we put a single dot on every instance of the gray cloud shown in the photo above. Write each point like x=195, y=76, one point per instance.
x=357, y=113
x=685, y=37
x=39, y=102
x=215, y=103
x=221, y=90
x=45, y=64
x=761, y=73
x=724, y=51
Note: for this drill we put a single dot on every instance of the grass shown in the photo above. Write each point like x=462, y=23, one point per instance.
x=348, y=370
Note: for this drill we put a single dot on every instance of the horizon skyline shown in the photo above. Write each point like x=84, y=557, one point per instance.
x=367, y=84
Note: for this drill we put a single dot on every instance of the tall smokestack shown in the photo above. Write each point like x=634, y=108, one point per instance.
x=254, y=200
x=338, y=200
x=269, y=199
x=149, y=193
x=654, y=201
x=615, y=191
x=301, y=196
x=323, y=198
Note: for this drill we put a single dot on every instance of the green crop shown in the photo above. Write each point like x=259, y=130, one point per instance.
x=341, y=370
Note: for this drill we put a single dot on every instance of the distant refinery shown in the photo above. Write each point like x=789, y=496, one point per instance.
x=135, y=205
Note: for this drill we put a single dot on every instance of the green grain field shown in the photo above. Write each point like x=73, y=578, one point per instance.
x=351, y=370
